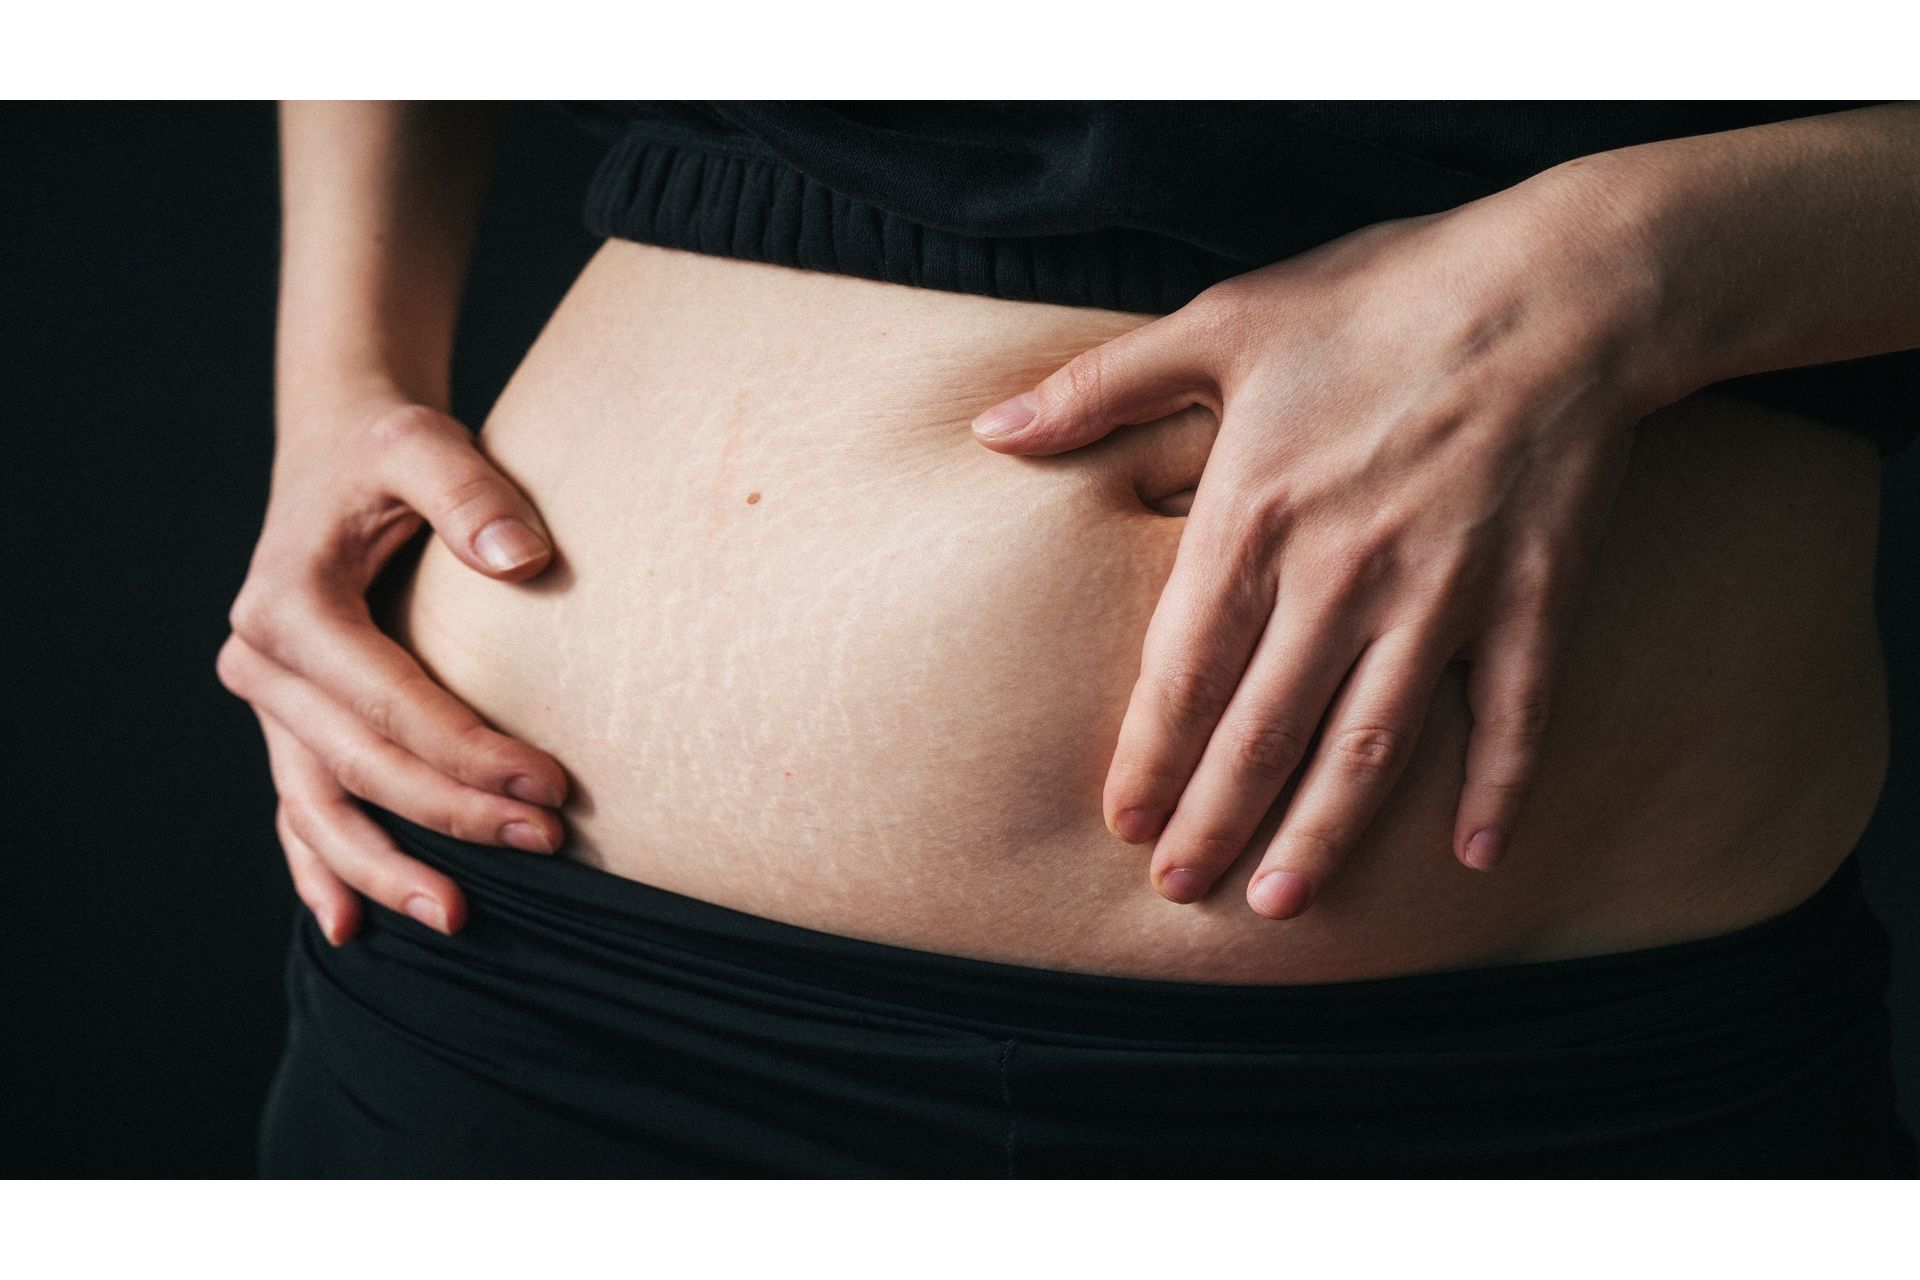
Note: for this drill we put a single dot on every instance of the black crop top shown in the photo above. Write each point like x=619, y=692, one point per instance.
x=1128, y=205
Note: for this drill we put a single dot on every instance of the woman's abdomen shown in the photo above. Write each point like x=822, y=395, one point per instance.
x=810, y=651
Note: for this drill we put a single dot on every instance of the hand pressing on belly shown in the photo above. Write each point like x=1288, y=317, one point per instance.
x=1423, y=427
x=347, y=711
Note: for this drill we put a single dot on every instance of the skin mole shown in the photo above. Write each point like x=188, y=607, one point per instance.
x=753, y=497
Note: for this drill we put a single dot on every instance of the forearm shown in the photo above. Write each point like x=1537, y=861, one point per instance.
x=379, y=205
x=1781, y=245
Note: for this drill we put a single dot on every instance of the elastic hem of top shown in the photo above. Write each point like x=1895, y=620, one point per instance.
x=669, y=190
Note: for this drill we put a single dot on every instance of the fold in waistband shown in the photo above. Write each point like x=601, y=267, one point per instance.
x=569, y=910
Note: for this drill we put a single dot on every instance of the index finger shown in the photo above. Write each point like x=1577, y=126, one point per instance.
x=339, y=648
x=1208, y=619
x=1369, y=734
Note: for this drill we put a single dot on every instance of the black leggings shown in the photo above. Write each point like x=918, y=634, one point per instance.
x=586, y=1025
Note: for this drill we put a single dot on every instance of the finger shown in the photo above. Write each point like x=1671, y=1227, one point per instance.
x=364, y=764
x=1369, y=735
x=350, y=844
x=432, y=464
x=332, y=901
x=1508, y=691
x=1297, y=668
x=336, y=645
x=1209, y=618
x=1147, y=373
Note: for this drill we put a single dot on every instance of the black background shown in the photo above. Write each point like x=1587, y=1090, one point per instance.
x=148, y=902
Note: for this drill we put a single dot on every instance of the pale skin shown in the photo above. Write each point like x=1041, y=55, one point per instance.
x=1325, y=576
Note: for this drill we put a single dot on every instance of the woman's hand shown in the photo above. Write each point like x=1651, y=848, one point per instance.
x=347, y=711
x=1423, y=427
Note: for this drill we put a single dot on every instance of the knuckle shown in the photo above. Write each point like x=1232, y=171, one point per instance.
x=379, y=707
x=1253, y=521
x=1264, y=528
x=404, y=425
x=305, y=820
x=375, y=710
x=269, y=611
x=1505, y=785
x=1269, y=750
x=478, y=752
x=1457, y=578
x=456, y=820
x=1142, y=781
x=1213, y=847
x=1540, y=581
x=358, y=772
x=1538, y=591
x=473, y=488
x=1352, y=569
x=1222, y=296
x=1524, y=720
x=1218, y=316
x=474, y=821
x=1084, y=377
x=230, y=665
x=254, y=614
x=1193, y=694
x=1313, y=847
x=1370, y=749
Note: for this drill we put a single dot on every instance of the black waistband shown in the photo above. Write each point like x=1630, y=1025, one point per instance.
x=659, y=188
x=582, y=925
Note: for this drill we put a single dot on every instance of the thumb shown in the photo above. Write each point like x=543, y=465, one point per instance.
x=433, y=465
x=1147, y=373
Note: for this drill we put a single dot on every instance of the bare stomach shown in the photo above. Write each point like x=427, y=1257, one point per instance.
x=809, y=651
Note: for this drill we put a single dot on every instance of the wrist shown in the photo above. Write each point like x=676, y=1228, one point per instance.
x=333, y=356
x=361, y=336
x=1771, y=247
x=1596, y=242
x=328, y=398
x=1665, y=308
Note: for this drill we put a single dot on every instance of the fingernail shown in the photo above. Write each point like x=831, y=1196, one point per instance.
x=1137, y=826
x=1281, y=895
x=521, y=787
x=507, y=544
x=522, y=835
x=1183, y=884
x=1007, y=417
x=329, y=928
x=427, y=912
x=1485, y=848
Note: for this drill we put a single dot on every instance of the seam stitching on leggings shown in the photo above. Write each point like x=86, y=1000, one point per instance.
x=1006, y=1095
